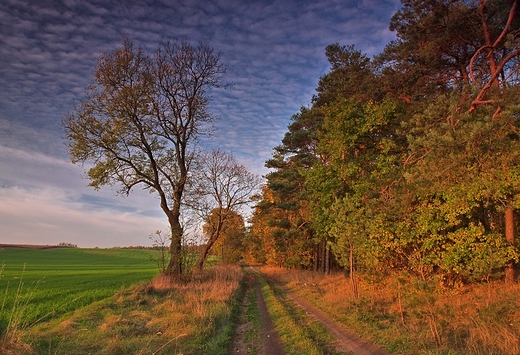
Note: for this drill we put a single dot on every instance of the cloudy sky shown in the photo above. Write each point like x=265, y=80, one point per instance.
x=275, y=53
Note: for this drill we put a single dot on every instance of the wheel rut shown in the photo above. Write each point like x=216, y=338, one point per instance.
x=271, y=344
x=346, y=341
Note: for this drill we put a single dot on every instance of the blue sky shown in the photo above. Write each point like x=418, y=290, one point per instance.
x=48, y=49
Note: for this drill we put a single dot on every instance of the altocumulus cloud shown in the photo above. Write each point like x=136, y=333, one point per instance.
x=275, y=53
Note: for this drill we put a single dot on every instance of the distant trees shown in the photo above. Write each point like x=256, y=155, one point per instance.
x=140, y=120
x=67, y=245
x=407, y=161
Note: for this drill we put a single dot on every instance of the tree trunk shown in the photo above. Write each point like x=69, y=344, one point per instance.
x=316, y=260
x=327, y=260
x=323, y=255
x=353, y=280
x=202, y=257
x=212, y=239
x=174, y=269
x=510, y=237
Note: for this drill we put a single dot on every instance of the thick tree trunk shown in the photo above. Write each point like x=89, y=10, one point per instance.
x=174, y=269
x=510, y=237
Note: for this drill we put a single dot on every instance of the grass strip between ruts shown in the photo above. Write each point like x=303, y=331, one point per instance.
x=295, y=340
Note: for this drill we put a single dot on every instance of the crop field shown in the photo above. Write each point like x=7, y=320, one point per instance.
x=38, y=284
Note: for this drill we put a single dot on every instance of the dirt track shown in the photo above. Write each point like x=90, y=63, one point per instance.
x=346, y=341
x=255, y=336
x=271, y=344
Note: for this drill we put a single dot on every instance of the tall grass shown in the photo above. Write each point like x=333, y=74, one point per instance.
x=410, y=316
x=15, y=319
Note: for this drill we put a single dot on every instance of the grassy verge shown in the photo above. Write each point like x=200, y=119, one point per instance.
x=409, y=316
x=154, y=318
x=252, y=314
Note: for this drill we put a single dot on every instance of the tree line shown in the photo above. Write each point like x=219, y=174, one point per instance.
x=407, y=161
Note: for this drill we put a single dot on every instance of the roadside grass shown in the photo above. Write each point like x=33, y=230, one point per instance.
x=158, y=317
x=37, y=285
x=300, y=334
x=409, y=316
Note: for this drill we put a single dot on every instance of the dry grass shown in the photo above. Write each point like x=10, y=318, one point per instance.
x=161, y=317
x=407, y=316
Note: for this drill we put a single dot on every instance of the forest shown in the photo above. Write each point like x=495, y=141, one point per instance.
x=407, y=161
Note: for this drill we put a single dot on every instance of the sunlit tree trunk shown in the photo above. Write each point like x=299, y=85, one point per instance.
x=174, y=269
x=353, y=280
x=316, y=264
x=323, y=256
x=205, y=250
x=510, y=237
x=327, y=259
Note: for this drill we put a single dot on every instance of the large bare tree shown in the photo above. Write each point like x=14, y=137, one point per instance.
x=140, y=120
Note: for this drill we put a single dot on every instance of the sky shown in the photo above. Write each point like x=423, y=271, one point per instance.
x=274, y=50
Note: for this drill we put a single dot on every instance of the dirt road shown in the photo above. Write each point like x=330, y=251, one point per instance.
x=345, y=341
x=255, y=333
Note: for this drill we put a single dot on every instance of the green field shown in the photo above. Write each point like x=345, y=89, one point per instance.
x=36, y=285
